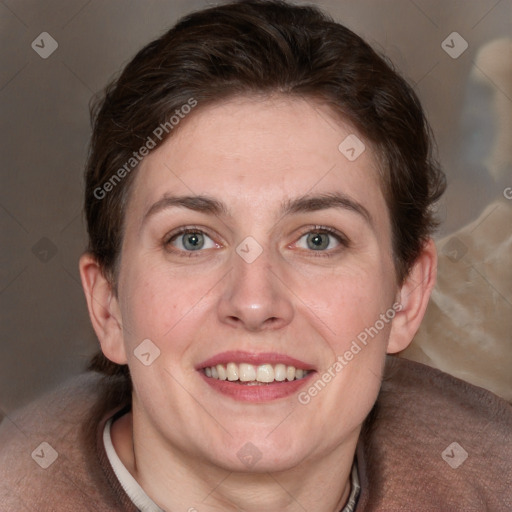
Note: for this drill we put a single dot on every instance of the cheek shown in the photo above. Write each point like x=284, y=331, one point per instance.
x=155, y=301
x=349, y=300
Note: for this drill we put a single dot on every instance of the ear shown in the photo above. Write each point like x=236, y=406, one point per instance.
x=103, y=308
x=413, y=297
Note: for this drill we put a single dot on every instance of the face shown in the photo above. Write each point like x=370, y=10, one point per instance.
x=254, y=248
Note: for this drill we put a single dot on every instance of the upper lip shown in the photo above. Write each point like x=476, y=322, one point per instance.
x=240, y=356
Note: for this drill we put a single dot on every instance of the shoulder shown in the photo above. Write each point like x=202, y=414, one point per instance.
x=48, y=453
x=436, y=441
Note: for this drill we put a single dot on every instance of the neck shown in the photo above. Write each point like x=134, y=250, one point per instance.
x=321, y=484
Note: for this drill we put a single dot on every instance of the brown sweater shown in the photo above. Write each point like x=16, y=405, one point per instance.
x=406, y=457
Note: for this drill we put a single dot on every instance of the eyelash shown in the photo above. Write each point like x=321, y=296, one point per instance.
x=317, y=229
x=180, y=232
x=342, y=239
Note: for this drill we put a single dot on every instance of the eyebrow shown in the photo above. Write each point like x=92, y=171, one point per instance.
x=309, y=203
x=303, y=204
x=202, y=204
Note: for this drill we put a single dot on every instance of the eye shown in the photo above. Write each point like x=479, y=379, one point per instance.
x=320, y=239
x=191, y=240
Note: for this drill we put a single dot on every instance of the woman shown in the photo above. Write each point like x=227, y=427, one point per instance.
x=259, y=197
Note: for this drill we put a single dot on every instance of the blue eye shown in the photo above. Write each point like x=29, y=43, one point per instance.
x=320, y=240
x=317, y=241
x=192, y=240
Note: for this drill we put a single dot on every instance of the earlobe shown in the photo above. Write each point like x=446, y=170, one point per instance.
x=103, y=309
x=413, y=297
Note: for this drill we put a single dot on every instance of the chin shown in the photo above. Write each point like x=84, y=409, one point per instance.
x=259, y=452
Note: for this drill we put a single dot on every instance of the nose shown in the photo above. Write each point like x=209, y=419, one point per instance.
x=254, y=297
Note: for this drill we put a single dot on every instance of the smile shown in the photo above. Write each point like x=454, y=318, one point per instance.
x=246, y=373
x=255, y=377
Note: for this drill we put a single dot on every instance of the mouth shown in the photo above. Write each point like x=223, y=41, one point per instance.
x=252, y=377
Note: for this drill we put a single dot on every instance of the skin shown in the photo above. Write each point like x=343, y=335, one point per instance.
x=252, y=154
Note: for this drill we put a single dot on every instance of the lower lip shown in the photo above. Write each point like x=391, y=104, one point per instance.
x=257, y=393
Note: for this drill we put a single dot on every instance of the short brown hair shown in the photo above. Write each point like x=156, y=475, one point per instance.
x=263, y=47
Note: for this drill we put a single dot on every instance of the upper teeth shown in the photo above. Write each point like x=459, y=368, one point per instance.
x=245, y=372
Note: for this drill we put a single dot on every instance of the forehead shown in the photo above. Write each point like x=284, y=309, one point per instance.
x=259, y=152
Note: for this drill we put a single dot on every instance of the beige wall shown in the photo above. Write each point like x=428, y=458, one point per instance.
x=45, y=330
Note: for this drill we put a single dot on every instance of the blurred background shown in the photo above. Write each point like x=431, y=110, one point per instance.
x=56, y=54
